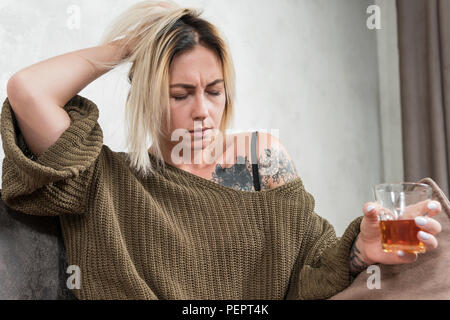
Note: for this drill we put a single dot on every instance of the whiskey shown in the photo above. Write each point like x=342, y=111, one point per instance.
x=401, y=235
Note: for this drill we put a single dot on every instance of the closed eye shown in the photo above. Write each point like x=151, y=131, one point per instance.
x=179, y=98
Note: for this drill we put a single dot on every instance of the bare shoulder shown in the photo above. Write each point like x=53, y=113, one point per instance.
x=274, y=162
x=276, y=166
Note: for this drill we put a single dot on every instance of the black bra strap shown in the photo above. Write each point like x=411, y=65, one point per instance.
x=254, y=162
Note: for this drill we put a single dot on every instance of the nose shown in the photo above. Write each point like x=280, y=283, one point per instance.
x=200, y=109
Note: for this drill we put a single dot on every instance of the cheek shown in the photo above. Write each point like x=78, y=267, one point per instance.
x=179, y=118
x=218, y=111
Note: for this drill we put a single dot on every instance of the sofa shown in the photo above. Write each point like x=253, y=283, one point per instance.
x=32, y=257
x=33, y=262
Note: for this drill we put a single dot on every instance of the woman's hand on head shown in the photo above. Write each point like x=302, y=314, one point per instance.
x=156, y=10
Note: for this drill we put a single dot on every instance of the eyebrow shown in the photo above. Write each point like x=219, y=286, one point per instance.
x=190, y=86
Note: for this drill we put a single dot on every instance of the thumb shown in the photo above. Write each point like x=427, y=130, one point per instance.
x=370, y=210
x=370, y=226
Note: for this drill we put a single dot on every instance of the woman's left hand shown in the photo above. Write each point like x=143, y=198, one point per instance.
x=369, y=239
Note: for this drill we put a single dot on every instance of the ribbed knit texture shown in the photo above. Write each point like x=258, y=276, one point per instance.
x=173, y=235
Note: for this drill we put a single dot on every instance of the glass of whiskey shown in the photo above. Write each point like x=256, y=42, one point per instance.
x=399, y=202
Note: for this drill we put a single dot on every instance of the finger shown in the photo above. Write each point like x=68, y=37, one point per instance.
x=428, y=240
x=433, y=208
x=405, y=257
x=424, y=208
x=429, y=225
x=370, y=210
x=373, y=209
x=377, y=210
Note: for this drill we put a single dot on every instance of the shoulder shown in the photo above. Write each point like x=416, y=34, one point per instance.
x=276, y=166
x=113, y=162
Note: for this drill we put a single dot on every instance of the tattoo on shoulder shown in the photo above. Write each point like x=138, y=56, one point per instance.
x=276, y=167
x=238, y=176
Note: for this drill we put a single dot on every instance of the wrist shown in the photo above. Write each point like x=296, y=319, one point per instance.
x=118, y=49
x=358, y=260
x=362, y=248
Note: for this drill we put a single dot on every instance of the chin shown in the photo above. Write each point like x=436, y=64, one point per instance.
x=203, y=145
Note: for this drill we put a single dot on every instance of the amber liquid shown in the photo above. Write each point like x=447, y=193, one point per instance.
x=401, y=235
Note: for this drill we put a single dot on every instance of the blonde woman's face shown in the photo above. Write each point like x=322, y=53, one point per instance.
x=197, y=94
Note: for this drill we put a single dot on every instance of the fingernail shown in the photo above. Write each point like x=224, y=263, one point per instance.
x=421, y=221
x=424, y=235
x=433, y=205
x=370, y=207
x=400, y=253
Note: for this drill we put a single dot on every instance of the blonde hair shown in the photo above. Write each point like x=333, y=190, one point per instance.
x=157, y=32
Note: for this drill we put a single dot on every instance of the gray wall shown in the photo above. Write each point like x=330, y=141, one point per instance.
x=308, y=68
x=390, y=109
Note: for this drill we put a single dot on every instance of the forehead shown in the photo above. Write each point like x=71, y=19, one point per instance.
x=198, y=65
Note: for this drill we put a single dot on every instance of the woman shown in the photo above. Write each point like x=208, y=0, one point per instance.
x=155, y=223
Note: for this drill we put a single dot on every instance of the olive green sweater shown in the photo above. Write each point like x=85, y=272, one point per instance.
x=173, y=235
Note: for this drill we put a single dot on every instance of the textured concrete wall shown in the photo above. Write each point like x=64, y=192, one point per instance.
x=307, y=68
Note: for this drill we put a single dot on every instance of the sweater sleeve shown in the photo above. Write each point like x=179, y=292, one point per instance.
x=322, y=269
x=56, y=182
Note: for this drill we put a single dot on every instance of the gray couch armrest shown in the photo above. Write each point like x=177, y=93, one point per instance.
x=32, y=257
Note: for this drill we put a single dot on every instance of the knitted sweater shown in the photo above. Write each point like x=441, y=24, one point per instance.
x=172, y=235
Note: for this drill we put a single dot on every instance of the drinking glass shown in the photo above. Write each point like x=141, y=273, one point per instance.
x=397, y=226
